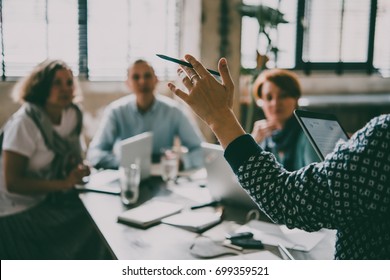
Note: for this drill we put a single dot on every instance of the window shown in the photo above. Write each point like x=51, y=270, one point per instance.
x=96, y=38
x=333, y=34
x=283, y=37
x=131, y=29
x=336, y=35
x=382, y=40
x=35, y=30
x=336, y=31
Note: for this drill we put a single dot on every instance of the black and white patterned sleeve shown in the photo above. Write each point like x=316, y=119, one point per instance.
x=320, y=195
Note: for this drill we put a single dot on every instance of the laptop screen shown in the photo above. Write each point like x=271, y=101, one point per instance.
x=221, y=180
x=137, y=149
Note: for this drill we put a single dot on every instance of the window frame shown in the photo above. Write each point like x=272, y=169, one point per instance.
x=339, y=67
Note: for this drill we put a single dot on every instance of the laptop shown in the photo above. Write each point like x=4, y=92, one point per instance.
x=221, y=180
x=323, y=130
x=137, y=149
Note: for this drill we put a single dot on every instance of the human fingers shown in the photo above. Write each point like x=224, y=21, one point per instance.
x=78, y=173
x=272, y=125
x=87, y=167
x=258, y=131
x=225, y=74
x=262, y=129
x=87, y=163
x=71, y=180
x=181, y=94
x=198, y=67
x=227, y=80
x=260, y=124
x=86, y=170
x=268, y=130
x=193, y=77
x=185, y=79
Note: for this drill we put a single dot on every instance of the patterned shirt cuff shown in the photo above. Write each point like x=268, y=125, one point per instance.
x=240, y=149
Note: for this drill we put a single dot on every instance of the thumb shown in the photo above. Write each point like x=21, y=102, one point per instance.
x=225, y=74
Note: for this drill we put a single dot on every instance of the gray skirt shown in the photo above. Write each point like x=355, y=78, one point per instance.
x=59, y=228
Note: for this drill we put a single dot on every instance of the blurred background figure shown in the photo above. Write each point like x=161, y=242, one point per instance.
x=144, y=110
x=41, y=216
x=277, y=92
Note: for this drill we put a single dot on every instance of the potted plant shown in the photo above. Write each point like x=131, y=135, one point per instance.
x=268, y=19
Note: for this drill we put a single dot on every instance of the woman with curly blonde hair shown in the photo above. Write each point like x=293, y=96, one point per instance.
x=41, y=216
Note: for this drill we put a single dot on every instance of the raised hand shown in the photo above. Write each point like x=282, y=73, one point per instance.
x=206, y=96
x=210, y=99
x=263, y=129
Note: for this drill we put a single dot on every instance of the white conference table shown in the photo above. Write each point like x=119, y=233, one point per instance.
x=165, y=242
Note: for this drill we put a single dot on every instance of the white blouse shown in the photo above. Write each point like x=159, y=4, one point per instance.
x=22, y=136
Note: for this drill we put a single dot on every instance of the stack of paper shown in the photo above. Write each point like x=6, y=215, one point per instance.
x=149, y=213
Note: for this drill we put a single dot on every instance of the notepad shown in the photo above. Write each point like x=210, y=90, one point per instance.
x=149, y=213
x=194, y=221
x=106, y=181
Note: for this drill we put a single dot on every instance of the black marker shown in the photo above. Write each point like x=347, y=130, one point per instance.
x=181, y=62
x=212, y=203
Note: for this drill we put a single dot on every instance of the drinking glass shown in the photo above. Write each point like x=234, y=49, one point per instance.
x=169, y=165
x=130, y=178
